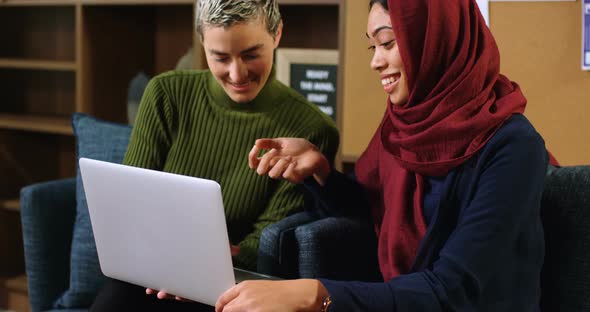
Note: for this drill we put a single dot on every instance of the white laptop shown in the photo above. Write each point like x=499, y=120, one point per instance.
x=160, y=230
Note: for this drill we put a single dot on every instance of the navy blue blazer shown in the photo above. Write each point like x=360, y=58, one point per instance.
x=484, y=247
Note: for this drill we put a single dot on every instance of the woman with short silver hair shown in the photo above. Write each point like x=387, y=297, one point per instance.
x=203, y=123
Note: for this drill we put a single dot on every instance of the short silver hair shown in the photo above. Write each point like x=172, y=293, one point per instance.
x=225, y=13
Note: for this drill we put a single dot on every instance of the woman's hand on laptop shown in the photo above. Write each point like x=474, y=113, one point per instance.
x=287, y=296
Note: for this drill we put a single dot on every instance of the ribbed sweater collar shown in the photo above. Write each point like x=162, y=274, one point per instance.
x=265, y=101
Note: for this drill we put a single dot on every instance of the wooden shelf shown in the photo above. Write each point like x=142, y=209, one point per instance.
x=310, y=2
x=136, y=2
x=14, y=293
x=10, y=204
x=40, y=65
x=18, y=283
x=37, y=2
x=54, y=125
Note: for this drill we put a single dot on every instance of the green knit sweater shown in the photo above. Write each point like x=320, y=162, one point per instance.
x=187, y=125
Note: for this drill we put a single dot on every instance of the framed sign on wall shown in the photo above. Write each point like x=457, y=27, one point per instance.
x=313, y=73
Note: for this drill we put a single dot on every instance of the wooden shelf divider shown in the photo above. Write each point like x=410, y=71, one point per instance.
x=38, y=64
x=10, y=204
x=310, y=2
x=14, y=292
x=18, y=283
x=53, y=125
x=37, y=2
x=136, y=2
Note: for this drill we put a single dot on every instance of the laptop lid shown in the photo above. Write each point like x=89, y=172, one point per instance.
x=159, y=230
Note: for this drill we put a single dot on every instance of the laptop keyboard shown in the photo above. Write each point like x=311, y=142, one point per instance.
x=244, y=275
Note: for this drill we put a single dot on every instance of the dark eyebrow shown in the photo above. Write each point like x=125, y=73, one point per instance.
x=252, y=49
x=378, y=30
x=248, y=50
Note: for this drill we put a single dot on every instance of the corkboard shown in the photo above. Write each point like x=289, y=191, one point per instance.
x=540, y=46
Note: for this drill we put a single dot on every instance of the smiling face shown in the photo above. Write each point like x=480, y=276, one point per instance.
x=386, y=58
x=240, y=57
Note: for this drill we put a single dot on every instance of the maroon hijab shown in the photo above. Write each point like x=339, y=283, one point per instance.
x=457, y=100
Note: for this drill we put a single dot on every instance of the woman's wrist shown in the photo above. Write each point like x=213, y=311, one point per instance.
x=317, y=301
x=323, y=171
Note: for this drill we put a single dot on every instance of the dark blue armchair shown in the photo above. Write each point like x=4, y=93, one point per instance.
x=304, y=246
x=48, y=213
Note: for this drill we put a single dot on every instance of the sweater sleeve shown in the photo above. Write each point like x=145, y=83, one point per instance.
x=506, y=196
x=153, y=130
x=286, y=200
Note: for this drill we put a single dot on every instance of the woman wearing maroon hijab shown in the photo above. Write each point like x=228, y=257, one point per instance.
x=452, y=177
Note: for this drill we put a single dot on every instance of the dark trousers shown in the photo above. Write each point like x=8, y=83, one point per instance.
x=121, y=296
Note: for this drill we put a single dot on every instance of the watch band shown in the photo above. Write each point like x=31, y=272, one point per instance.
x=326, y=304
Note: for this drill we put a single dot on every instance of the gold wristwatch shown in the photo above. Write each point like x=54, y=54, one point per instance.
x=326, y=304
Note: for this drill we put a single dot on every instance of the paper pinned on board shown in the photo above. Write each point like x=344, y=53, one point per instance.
x=484, y=7
x=586, y=35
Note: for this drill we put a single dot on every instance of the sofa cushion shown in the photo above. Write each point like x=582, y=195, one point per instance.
x=565, y=210
x=96, y=139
